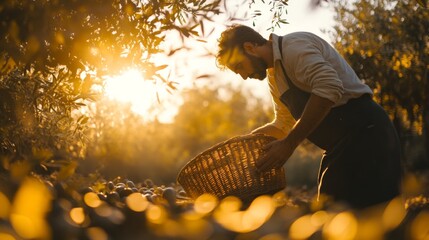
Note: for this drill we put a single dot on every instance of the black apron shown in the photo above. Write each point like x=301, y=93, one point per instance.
x=361, y=148
x=336, y=125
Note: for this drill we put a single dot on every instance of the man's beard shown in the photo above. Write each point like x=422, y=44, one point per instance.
x=259, y=66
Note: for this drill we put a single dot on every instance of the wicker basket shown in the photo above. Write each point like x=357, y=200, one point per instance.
x=228, y=168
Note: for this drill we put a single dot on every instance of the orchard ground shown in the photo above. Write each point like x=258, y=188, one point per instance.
x=93, y=208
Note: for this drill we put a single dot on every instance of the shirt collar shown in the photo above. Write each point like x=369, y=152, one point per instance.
x=277, y=82
x=276, y=52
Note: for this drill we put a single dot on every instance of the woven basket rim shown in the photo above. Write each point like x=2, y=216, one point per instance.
x=250, y=183
x=228, y=141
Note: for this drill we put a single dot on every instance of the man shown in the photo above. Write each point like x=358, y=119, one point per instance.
x=316, y=95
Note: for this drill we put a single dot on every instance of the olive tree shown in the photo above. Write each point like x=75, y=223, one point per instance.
x=53, y=53
x=387, y=44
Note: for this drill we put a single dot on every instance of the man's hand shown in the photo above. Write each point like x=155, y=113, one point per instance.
x=279, y=151
x=276, y=154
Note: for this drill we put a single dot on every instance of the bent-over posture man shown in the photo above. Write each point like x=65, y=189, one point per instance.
x=318, y=96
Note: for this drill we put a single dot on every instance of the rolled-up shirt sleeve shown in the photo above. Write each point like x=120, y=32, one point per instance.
x=309, y=67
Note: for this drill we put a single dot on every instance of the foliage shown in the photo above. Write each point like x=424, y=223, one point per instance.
x=53, y=54
x=278, y=10
x=386, y=43
x=121, y=144
x=318, y=3
x=38, y=123
x=95, y=34
x=119, y=137
x=211, y=115
x=60, y=49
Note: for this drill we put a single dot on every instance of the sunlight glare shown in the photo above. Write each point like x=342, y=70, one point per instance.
x=131, y=87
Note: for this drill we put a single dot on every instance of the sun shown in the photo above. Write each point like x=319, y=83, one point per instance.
x=131, y=87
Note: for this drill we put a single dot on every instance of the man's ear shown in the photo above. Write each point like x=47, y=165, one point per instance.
x=250, y=48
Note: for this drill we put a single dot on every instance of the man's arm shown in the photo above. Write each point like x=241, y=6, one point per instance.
x=283, y=121
x=279, y=151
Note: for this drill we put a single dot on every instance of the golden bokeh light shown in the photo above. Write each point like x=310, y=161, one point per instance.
x=137, y=202
x=319, y=218
x=370, y=228
x=77, y=215
x=419, y=226
x=305, y=226
x=411, y=185
x=92, y=200
x=230, y=204
x=191, y=215
x=5, y=206
x=302, y=228
x=30, y=205
x=205, y=203
x=260, y=210
x=6, y=236
x=19, y=170
x=393, y=214
x=229, y=215
x=280, y=198
x=342, y=227
x=96, y=233
x=231, y=220
x=156, y=214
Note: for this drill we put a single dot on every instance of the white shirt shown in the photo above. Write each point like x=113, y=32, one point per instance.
x=313, y=66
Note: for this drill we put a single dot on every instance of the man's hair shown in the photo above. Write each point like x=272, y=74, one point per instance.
x=232, y=39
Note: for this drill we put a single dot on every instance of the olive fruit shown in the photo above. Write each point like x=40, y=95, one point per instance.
x=113, y=197
x=110, y=186
x=119, y=189
x=148, y=183
x=101, y=196
x=130, y=184
x=125, y=192
x=169, y=194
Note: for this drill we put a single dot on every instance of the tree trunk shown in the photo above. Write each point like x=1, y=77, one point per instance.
x=425, y=116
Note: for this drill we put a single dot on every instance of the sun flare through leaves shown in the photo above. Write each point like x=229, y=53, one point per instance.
x=130, y=87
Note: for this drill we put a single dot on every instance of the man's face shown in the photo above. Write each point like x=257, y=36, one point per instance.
x=248, y=66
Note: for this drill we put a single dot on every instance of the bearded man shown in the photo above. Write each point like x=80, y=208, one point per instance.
x=317, y=96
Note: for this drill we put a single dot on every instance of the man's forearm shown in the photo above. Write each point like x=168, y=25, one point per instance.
x=271, y=131
x=315, y=111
